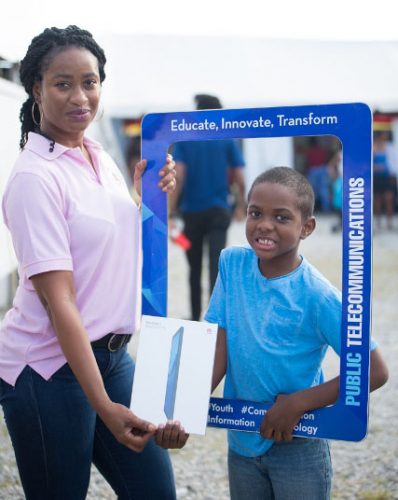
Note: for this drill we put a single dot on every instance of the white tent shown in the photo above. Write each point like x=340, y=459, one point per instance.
x=11, y=98
x=162, y=73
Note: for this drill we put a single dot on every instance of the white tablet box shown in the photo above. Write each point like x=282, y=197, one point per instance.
x=173, y=373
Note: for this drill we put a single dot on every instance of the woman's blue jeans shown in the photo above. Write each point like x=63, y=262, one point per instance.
x=56, y=436
x=292, y=470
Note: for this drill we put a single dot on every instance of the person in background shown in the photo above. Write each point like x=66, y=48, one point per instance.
x=336, y=178
x=277, y=316
x=317, y=173
x=384, y=180
x=65, y=372
x=206, y=170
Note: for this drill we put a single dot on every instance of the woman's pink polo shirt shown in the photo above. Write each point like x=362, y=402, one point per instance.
x=63, y=214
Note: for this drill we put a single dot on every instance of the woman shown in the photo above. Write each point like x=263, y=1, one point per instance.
x=65, y=374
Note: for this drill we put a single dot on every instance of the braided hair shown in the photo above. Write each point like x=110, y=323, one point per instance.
x=38, y=57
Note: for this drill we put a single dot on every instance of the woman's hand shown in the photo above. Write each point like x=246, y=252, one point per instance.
x=127, y=428
x=167, y=173
x=171, y=435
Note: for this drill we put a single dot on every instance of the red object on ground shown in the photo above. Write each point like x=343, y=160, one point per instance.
x=181, y=240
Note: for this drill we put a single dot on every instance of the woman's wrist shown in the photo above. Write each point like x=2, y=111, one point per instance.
x=102, y=406
x=137, y=198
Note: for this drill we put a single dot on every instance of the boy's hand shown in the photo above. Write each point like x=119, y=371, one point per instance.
x=171, y=435
x=280, y=419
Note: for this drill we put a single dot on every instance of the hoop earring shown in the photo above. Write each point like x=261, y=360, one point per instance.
x=38, y=124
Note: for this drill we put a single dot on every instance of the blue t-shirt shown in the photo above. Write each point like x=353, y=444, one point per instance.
x=277, y=331
x=380, y=164
x=206, y=183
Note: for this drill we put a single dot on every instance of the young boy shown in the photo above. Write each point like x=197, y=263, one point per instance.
x=277, y=315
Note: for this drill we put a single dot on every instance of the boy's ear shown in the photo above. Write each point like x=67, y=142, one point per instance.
x=307, y=228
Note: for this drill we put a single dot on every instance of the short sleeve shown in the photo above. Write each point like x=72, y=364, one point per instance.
x=235, y=155
x=33, y=212
x=330, y=320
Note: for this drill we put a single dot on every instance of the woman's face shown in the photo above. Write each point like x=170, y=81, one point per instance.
x=68, y=94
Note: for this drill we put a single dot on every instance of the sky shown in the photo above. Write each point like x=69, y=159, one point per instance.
x=351, y=20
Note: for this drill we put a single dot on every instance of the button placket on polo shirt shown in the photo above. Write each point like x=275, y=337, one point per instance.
x=92, y=168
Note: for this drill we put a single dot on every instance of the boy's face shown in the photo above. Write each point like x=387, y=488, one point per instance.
x=274, y=228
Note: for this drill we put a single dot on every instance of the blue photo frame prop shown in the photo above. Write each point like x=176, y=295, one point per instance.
x=352, y=124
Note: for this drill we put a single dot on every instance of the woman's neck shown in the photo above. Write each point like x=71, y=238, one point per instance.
x=68, y=140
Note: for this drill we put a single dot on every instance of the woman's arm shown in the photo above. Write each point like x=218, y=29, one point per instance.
x=281, y=418
x=57, y=294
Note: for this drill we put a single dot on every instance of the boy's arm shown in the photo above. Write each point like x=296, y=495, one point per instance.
x=279, y=421
x=378, y=370
x=220, y=360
